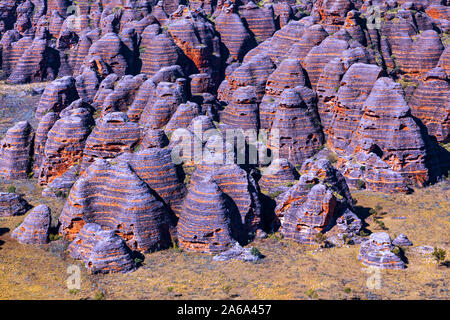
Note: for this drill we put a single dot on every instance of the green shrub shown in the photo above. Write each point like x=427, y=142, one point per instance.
x=439, y=255
x=320, y=238
x=310, y=185
x=11, y=189
x=347, y=290
x=360, y=184
x=396, y=250
x=312, y=294
x=276, y=236
x=138, y=261
x=381, y=224
x=53, y=237
x=74, y=291
x=332, y=157
x=255, y=251
x=362, y=233
x=99, y=295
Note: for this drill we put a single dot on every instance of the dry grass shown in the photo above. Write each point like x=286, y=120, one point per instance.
x=17, y=103
x=289, y=271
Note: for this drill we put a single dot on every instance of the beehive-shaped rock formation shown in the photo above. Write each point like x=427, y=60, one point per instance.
x=255, y=73
x=205, y=223
x=113, y=196
x=431, y=103
x=65, y=143
x=388, y=130
x=320, y=55
x=35, y=228
x=123, y=94
x=313, y=172
x=158, y=112
x=242, y=112
x=36, y=64
x=102, y=251
x=239, y=186
x=196, y=36
x=233, y=33
x=159, y=51
x=46, y=123
x=183, y=116
x=288, y=75
x=16, y=151
x=57, y=95
x=303, y=222
x=376, y=252
x=311, y=37
x=332, y=13
x=298, y=126
x=155, y=167
x=111, y=50
x=12, y=204
x=278, y=176
x=327, y=88
x=260, y=21
x=154, y=138
x=113, y=135
x=347, y=107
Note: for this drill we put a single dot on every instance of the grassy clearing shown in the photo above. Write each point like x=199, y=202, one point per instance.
x=289, y=271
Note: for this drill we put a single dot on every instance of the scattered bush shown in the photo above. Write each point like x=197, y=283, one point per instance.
x=11, y=189
x=312, y=294
x=439, y=255
x=53, y=237
x=276, y=236
x=396, y=251
x=99, y=295
x=360, y=184
x=74, y=291
x=310, y=185
x=255, y=251
x=138, y=261
x=332, y=157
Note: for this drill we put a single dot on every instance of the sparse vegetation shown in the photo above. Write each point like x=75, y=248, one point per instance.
x=74, y=291
x=312, y=294
x=277, y=236
x=332, y=157
x=255, y=251
x=439, y=255
x=360, y=184
x=309, y=186
x=99, y=295
x=11, y=189
x=53, y=237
